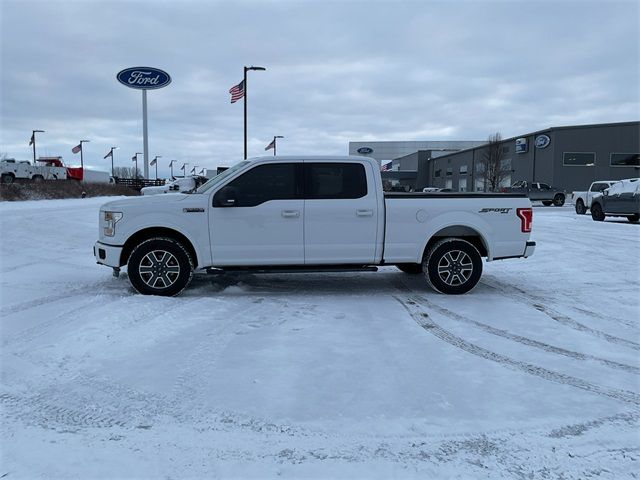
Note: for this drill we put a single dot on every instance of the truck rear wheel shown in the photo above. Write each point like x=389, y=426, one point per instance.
x=558, y=200
x=453, y=266
x=160, y=266
x=7, y=178
x=37, y=178
x=580, y=208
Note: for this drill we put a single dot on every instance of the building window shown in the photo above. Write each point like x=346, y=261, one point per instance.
x=437, y=173
x=578, y=159
x=449, y=171
x=625, y=160
x=463, y=169
x=448, y=183
x=462, y=185
x=479, y=187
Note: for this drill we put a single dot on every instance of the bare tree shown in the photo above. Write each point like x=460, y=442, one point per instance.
x=493, y=169
x=126, y=172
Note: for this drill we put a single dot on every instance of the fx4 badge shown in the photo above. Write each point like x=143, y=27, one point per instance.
x=495, y=210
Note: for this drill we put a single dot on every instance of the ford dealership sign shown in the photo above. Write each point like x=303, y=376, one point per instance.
x=144, y=78
x=365, y=150
x=542, y=141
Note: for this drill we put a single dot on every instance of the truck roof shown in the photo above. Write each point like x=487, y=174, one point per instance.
x=341, y=158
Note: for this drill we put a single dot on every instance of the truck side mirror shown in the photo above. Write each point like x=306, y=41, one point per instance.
x=225, y=197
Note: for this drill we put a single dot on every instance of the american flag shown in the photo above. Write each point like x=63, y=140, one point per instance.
x=77, y=148
x=237, y=92
x=33, y=139
x=271, y=145
x=153, y=162
x=110, y=154
x=385, y=167
x=134, y=158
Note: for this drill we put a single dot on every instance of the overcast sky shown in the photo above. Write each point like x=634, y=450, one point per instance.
x=336, y=72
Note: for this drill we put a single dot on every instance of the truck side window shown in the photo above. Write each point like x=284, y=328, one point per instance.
x=335, y=180
x=273, y=181
x=544, y=186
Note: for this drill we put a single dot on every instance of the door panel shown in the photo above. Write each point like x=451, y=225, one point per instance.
x=341, y=213
x=266, y=224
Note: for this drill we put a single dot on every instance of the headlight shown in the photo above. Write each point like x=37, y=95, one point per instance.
x=110, y=219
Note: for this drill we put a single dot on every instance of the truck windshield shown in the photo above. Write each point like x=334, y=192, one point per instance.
x=220, y=177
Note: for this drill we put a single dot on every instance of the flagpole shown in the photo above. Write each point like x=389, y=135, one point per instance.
x=246, y=69
x=245, y=112
x=33, y=138
x=82, y=157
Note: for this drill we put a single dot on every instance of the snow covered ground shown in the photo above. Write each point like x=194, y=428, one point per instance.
x=534, y=374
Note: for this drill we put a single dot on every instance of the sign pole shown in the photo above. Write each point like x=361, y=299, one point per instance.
x=245, y=112
x=145, y=133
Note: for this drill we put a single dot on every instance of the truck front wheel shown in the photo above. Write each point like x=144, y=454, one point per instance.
x=160, y=266
x=558, y=200
x=453, y=266
x=596, y=212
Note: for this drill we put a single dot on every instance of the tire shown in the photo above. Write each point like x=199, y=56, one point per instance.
x=37, y=178
x=596, y=212
x=580, y=208
x=7, y=178
x=547, y=203
x=558, y=200
x=634, y=218
x=452, y=266
x=410, y=268
x=174, y=264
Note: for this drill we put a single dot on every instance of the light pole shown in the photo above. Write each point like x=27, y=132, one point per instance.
x=110, y=154
x=274, y=143
x=171, y=167
x=246, y=69
x=135, y=159
x=184, y=169
x=155, y=162
x=33, y=142
x=81, y=156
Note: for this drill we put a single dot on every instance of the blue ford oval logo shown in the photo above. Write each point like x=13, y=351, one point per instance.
x=365, y=150
x=144, y=78
x=542, y=141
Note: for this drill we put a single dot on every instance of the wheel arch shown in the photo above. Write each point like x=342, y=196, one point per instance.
x=463, y=232
x=151, y=232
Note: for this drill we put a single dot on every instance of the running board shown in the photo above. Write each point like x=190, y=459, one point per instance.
x=293, y=269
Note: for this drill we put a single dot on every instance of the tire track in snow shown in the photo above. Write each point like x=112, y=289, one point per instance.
x=527, y=341
x=533, y=301
x=422, y=318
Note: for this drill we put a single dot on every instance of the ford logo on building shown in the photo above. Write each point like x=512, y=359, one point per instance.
x=365, y=150
x=542, y=141
x=144, y=78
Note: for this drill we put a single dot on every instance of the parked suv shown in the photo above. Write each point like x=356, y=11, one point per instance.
x=622, y=199
x=539, y=191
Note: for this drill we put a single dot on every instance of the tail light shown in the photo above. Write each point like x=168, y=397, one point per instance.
x=526, y=218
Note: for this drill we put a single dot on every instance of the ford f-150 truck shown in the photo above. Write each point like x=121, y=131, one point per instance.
x=582, y=200
x=538, y=191
x=295, y=214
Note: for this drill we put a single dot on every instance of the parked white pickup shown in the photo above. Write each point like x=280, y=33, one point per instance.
x=582, y=200
x=310, y=213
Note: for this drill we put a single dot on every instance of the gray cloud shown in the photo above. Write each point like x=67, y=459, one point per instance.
x=336, y=71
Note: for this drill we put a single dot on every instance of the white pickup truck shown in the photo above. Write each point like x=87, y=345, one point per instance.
x=582, y=200
x=299, y=214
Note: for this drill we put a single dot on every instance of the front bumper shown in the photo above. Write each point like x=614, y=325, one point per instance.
x=529, y=249
x=108, y=255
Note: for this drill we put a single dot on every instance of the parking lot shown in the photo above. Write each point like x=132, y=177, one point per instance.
x=534, y=374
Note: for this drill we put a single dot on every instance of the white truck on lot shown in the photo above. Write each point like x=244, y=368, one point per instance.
x=12, y=170
x=582, y=200
x=176, y=186
x=298, y=214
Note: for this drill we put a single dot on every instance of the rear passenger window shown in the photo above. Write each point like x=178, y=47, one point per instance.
x=273, y=181
x=335, y=180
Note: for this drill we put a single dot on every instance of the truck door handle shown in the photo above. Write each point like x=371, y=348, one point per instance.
x=364, y=213
x=290, y=213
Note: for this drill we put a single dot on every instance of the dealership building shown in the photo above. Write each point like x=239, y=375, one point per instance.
x=568, y=157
